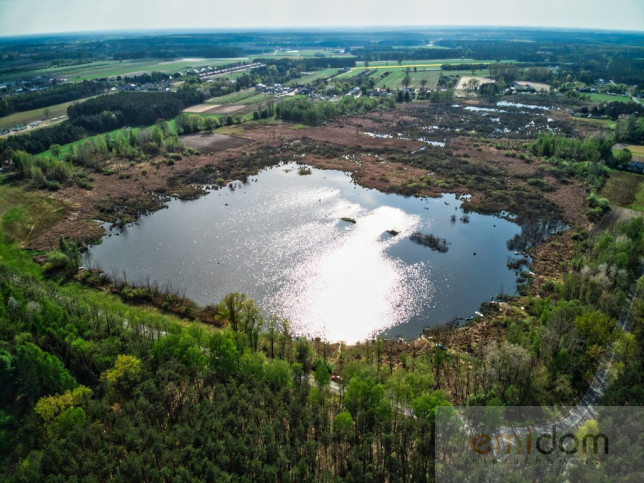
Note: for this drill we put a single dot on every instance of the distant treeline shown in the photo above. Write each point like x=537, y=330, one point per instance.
x=102, y=114
x=586, y=60
x=151, y=78
x=464, y=66
x=131, y=108
x=369, y=54
x=310, y=64
x=304, y=110
x=26, y=101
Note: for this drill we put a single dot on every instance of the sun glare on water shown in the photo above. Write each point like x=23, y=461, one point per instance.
x=350, y=287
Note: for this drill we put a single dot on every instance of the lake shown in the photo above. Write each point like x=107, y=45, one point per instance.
x=280, y=238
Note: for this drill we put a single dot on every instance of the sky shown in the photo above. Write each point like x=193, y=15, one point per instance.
x=21, y=17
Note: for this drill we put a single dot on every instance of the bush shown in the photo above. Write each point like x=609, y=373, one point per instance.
x=57, y=261
x=53, y=185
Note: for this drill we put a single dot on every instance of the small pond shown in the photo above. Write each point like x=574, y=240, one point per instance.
x=280, y=238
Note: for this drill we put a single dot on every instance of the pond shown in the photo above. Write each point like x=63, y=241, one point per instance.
x=281, y=238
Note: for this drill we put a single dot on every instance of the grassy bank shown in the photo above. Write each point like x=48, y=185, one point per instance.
x=26, y=214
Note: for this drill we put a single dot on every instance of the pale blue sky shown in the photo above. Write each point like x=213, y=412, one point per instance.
x=43, y=16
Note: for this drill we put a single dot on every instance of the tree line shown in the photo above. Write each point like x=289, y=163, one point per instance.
x=101, y=114
x=304, y=110
x=131, y=108
x=27, y=101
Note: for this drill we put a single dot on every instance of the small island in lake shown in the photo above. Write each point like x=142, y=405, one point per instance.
x=429, y=240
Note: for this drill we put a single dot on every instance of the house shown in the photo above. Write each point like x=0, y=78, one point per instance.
x=636, y=167
x=524, y=89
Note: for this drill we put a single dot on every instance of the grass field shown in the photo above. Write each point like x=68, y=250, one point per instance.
x=429, y=71
x=608, y=98
x=37, y=214
x=297, y=53
x=636, y=150
x=434, y=63
x=26, y=117
x=109, y=68
x=625, y=189
x=248, y=96
x=605, y=122
x=314, y=76
x=394, y=79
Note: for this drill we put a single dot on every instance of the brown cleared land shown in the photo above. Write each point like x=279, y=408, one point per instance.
x=200, y=108
x=214, y=109
x=466, y=82
x=227, y=109
x=206, y=143
x=539, y=86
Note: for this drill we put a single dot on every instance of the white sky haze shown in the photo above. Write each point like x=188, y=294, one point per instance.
x=19, y=17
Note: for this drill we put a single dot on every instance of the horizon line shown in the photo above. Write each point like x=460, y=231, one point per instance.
x=329, y=28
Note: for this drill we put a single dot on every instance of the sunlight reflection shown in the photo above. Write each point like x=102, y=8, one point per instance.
x=351, y=288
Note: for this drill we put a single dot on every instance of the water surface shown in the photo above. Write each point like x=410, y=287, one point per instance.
x=280, y=239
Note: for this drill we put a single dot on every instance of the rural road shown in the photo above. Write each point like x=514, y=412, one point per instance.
x=579, y=414
x=585, y=410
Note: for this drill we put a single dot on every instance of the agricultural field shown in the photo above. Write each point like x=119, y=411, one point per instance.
x=625, y=189
x=303, y=53
x=608, y=98
x=433, y=63
x=314, y=76
x=638, y=151
x=248, y=96
x=607, y=123
x=428, y=70
x=208, y=109
x=394, y=79
x=466, y=81
x=539, y=86
x=113, y=68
